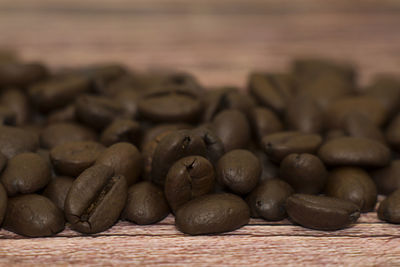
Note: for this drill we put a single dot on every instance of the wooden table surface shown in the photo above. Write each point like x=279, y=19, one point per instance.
x=220, y=42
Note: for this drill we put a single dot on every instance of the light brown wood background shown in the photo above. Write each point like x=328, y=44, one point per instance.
x=220, y=42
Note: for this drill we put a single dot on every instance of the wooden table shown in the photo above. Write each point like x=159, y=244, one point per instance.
x=220, y=42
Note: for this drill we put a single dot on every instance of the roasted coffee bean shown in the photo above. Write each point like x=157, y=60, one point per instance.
x=263, y=122
x=279, y=145
x=168, y=105
x=188, y=178
x=121, y=130
x=57, y=92
x=268, y=200
x=72, y=158
x=151, y=133
x=100, y=75
x=304, y=172
x=269, y=170
x=393, y=133
x=3, y=203
x=353, y=184
x=18, y=103
x=320, y=212
x=214, y=146
x=128, y=99
x=14, y=141
x=233, y=128
x=176, y=145
x=146, y=204
x=65, y=114
x=95, y=200
x=125, y=159
x=25, y=173
x=389, y=208
x=215, y=213
x=239, y=170
x=352, y=151
x=21, y=74
x=64, y=132
x=358, y=125
x=387, y=179
x=57, y=190
x=97, y=111
x=34, y=216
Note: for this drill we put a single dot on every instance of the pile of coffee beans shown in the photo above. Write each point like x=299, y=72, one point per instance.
x=86, y=147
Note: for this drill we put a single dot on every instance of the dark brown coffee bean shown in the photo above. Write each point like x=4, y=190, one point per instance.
x=128, y=99
x=393, y=133
x=3, y=203
x=125, y=159
x=304, y=172
x=389, y=209
x=268, y=200
x=303, y=114
x=239, y=170
x=18, y=103
x=146, y=204
x=387, y=179
x=25, y=173
x=211, y=214
x=57, y=190
x=188, y=178
x=14, y=141
x=279, y=145
x=170, y=105
x=72, y=158
x=34, y=216
x=263, y=122
x=101, y=75
x=64, y=132
x=214, y=146
x=151, y=133
x=354, y=151
x=58, y=92
x=121, y=130
x=21, y=74
x=269, y=170
x=66, y=114
x=352, y=184
x=175, y=145
x=320, y=212
x=358, y=125
x=233, y=128
x=97, y=111
x=95, y=200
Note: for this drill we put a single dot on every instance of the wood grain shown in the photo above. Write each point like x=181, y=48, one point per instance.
x=220, y=42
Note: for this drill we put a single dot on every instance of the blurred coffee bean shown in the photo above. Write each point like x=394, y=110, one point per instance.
x=393, y=133
x=389, y=208
x=57, y=190
x=14, y=141
x=387, y=179
x=121, y=130
x=21, y=74
x=358, y=125
x=18, y=103
x=263, y=122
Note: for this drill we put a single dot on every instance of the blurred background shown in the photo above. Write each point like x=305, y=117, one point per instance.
x=219, y=41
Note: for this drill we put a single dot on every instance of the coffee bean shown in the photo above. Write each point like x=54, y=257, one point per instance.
x=304, y=172
x=268, y=200
x=387, y=179
x=21, y=74
x=263, y=122
x=358, y=125
x=214, y=147
x=389, y=208
x=57, y=190
x=211, y=214
x=14, y=141
x=121, y=130
x=146, y=204
x=95, y=200
x=354, y=151
x=34, y=216
x=18, y=103
x=239, y=170
x=72, y=158
x=269, y=170
x=233, y=128
x=352, y=184
x=128, y=99
x=151, y=133
x=393, y=133
x=320, y=212
x=64, y=132
x=279, y=145
x=3, y=203
x=333, y=134
x=188, y=178
x=125, y=159
x=25, y=173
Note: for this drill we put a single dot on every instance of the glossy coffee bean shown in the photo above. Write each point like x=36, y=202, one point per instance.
x=263, y=122
x=387, y=179
x=21, y=74
x=389, y=208
x=239, y=170
x=57, y=190
x=25, y=173
x=353, y=184
x=215, y=149
x=34, y=216
x=278, y=145
x=18, y=103
x=320, y=212
x=125, y=159
x=354, y=151
x=121, y=130
x=210, y=214
x=233, y=128
x=14, y=141
x=358, y=125
x=146, y=204
x=72, y=158
x=64, y=132
x=188, y=178
x=3, y=203
x=304, y=172
x=268, y=200
x=95, y=200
